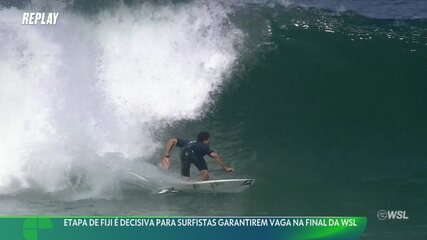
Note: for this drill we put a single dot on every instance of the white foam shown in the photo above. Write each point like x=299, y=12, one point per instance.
x=72, y=92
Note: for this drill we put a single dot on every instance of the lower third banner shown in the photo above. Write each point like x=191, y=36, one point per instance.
x=170, y=228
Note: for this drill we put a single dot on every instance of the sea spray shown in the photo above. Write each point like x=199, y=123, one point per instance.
x=90, y=86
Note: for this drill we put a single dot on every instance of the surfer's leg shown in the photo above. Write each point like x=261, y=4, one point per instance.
x=202, y=166
x=185, y=167
x=204, y=175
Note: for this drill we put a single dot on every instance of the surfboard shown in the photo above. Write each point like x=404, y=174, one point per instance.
x=212, y=186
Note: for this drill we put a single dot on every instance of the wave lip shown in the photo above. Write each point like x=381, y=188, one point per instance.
x=380, y=9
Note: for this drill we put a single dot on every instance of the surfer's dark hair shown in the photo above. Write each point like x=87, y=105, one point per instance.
x=202, y=136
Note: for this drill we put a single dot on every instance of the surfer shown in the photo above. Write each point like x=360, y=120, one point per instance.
x=193, y=152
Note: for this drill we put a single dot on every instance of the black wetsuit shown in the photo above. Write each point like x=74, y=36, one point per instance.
x=192, y=152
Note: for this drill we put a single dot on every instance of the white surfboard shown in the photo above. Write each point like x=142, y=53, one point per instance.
x=211, y=186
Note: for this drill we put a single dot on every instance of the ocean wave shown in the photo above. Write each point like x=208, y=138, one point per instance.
x=90, y=86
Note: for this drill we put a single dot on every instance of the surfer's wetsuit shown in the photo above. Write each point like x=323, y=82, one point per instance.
x=192, y=152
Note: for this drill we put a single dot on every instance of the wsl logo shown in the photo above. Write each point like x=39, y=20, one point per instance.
x=392, y=215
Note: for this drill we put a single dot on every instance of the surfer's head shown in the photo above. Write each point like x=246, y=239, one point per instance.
x=203, y=137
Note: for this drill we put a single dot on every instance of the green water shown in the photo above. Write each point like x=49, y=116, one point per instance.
x=328, y=125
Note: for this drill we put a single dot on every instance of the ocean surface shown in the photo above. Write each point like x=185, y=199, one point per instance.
x=324, y=103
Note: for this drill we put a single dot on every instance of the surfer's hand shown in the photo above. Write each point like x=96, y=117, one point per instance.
x=229, y=170
x=165, y=164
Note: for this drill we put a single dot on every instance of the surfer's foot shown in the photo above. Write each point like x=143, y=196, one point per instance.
x=204, y=176
x=185, y=178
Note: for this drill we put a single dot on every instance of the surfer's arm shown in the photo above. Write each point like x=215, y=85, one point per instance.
x=165, y=164
x=169, y=145
x=220, y=161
